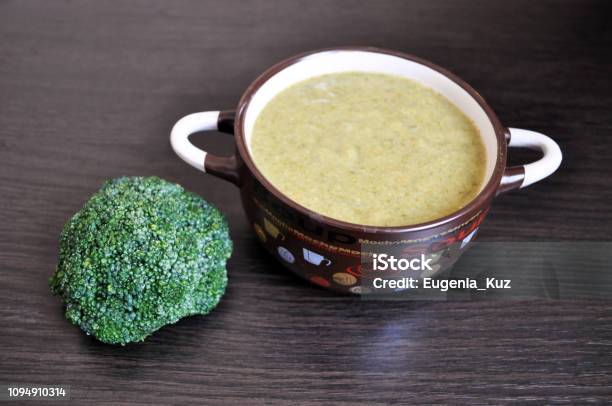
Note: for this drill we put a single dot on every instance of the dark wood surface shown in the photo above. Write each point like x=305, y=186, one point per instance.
x=89, y=91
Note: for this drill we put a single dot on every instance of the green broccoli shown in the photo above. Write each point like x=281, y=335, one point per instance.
x=140, y=254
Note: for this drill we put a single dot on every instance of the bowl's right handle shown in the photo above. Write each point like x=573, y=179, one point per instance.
x=225, y=167
x=524, y=175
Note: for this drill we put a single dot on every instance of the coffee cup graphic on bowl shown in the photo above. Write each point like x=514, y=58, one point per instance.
x=314, y=258
x=330, y=244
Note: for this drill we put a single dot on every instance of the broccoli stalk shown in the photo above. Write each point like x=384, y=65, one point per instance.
x=140, y=254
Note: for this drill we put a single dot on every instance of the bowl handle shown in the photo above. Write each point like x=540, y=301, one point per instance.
x=524, y=175
x=221, y=166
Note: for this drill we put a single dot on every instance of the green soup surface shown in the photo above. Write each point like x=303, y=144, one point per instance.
x=368, y=148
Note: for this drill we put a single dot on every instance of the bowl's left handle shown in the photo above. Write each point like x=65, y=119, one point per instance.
x=221, y=166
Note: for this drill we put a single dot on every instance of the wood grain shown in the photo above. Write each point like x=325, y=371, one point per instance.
x=89, y=91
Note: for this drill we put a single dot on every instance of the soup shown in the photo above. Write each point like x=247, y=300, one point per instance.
x=368, y=148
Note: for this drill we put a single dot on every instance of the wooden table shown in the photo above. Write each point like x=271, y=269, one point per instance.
x=89, y=91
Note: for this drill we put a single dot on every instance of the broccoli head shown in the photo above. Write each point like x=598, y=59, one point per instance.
x=140, y=254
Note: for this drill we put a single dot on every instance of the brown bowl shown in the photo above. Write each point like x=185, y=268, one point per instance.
x=327, y=251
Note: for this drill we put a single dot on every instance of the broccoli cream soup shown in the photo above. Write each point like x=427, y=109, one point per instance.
x=368, y=148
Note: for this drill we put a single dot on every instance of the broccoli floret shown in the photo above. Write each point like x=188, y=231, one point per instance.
x=140, y=254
